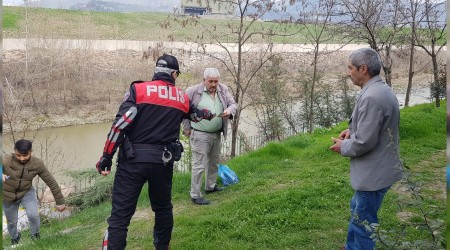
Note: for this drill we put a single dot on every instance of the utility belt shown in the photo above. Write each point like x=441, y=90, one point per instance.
x=154, y=153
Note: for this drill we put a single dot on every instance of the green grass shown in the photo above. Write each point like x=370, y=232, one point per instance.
x=71, y=24
x=291, y=195
x=10, y=21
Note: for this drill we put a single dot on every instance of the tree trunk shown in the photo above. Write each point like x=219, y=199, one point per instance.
x=235, y=121
x=234, y=131
x=388, y=66
x=314, y=79
x=412, y=50
x=410, y=74
x=436, y=77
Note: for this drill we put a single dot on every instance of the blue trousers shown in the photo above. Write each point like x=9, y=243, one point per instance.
x=364, y=206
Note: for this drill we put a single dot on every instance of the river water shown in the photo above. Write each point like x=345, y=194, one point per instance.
x=80, y=146
x=69, y=148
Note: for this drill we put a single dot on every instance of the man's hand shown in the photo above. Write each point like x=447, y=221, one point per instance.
x=103, y=166
x=344, y=134
x=225, y=114
x=336, y=147
x=187, y=133
x=205, y=114
x=61, y=208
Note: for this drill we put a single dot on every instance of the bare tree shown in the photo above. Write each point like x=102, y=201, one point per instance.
x=28, y=29
x=410, y=14
x=431, y=37
x=235, y=37
x=347, y=100
x=377, y=22
x=267, y=99
x=14, y=109
x=320, y=26
x=56, y=160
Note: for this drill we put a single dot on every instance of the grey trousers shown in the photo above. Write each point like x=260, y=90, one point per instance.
x=205, y=157
x=31, y=205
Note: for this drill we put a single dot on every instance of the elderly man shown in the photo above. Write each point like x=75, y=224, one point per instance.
x=205, y=138
x=372, y=143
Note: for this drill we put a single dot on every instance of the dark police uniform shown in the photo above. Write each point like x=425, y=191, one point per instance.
x=147, y=124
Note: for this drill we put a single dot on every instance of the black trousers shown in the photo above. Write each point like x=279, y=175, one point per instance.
x=128, y=182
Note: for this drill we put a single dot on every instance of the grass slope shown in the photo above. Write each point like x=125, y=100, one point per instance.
x=291, y=195
x=21, y=22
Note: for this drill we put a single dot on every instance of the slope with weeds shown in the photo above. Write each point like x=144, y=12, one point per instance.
x=291, y=195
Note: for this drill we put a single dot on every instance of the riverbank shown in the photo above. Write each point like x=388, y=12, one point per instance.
x=286, y=199
x=94, y=116
x=73, y=117
x=91, y=115
x=96, y=80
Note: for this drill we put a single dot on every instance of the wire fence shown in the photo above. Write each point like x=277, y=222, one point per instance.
x=244, y=144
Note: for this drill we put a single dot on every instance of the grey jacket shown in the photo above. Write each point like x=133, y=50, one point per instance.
x=373, y=146
x=195, y=95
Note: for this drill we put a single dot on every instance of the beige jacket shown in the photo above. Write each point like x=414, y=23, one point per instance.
x=195, y=95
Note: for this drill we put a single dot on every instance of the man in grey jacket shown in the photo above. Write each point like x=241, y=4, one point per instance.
x=205, y=138
x=372, y=143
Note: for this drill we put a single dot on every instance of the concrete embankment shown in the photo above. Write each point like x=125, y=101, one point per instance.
x=22, y=44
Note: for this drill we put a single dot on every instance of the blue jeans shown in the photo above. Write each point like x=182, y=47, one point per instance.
x=31, y=205
x=364, y=207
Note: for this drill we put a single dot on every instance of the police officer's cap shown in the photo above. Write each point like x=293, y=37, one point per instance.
x=168, y=61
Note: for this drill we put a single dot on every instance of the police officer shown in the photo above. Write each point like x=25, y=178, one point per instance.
x=146, y=129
